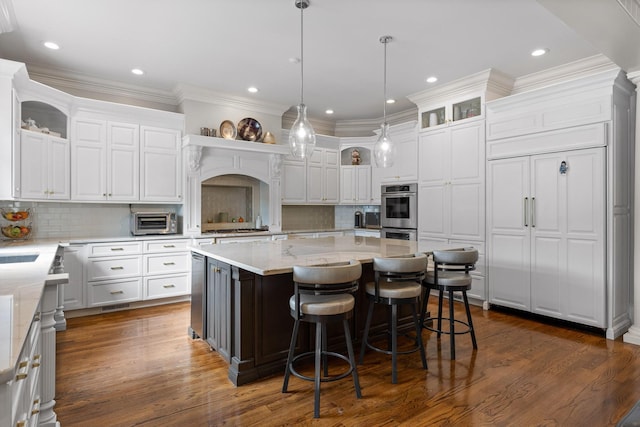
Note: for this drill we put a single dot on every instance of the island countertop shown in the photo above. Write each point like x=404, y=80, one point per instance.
x=279, y=256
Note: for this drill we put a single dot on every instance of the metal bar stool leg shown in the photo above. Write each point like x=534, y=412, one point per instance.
x=394, y=344
x=423, y=310
x=418, y=325
x=473, y=332
x=325, y=363
x=292, y=347
x=316, y=405
x=352, y=358
x=452, y=328
x=440, y=297
x=365, y=336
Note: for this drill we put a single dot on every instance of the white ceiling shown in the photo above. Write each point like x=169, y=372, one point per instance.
x=227, y=45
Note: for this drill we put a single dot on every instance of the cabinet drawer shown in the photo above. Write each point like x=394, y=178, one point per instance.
x=111, y=292
x=113, y=268
x=167, y=286
x=166, y=245
x=115, y=248
x=164, y=264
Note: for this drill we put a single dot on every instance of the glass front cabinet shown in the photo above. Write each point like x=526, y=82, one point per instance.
x=452, y=112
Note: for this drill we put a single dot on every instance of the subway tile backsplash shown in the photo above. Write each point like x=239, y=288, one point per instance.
x=52, y=220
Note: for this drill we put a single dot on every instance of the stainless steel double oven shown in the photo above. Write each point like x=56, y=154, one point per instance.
x=399, y=211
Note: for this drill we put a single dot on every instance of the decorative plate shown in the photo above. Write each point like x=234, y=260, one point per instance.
x=250, y=129
x=228, y=130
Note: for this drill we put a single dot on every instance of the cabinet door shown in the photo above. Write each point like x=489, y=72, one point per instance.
x=331, y=177
x=88, y=160
x=567, y=229
x=59, y=169
x=406, y=163
x=34, y=166
x=315, y=177
x=219, y=307
x=160, y=170
x=74, y=294
x=348, y=184
x=433, y=153
x=294, y=182
x=508, y=233
x=363, y=184
x=123, y=161
x=466, y=195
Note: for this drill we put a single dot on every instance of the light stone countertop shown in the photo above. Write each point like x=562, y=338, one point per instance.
x=279, y=256
x=21, y=287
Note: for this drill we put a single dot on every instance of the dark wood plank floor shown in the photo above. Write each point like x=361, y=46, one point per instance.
x=140, y=368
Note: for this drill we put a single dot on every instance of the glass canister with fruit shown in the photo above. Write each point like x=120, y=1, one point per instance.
x=16, y=223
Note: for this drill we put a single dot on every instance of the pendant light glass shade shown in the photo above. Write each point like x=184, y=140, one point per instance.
x=302, y=137
x=384, y=150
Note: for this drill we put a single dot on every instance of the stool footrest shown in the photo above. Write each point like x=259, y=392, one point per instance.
x=444, y=331
x=311, y=354
x=382, y=350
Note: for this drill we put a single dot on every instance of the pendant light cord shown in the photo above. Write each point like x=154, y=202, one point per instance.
x=384, y=101
x=302, y=7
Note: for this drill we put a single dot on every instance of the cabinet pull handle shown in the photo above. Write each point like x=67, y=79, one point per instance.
x=117, y=292
x=23, y=364
x=169, y=246
x=171, y=285
x=526, y=208
x=21, y=376
x=21, y=423
x=533, y=212
x=117, y=249
x=35, y=365
x=36, y=357
x=117, y=268
x=169, y=263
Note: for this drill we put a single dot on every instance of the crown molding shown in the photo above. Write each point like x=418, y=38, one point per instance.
x=494, y=82
x=367, y=127
x=562, y=73
x=632, y=7
x=634, y=77
x=83, y=85
x=183, y=92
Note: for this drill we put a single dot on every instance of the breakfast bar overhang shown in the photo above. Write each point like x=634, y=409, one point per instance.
x=248, y=286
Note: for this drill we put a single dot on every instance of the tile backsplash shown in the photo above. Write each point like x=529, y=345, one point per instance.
x=75, y=220
x=318, y=217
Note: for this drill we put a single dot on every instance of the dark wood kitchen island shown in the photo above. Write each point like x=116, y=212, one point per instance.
x=247, y=290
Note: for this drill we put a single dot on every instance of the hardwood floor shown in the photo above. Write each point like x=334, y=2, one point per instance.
x=140, y=368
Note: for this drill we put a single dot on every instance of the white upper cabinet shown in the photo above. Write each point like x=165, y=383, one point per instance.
x=294, y=182
x=451, y=182
x=160, y=171
x=44, y=167
x=323, y=176
x=405, y=166
x=105, y=161
x=314, y=180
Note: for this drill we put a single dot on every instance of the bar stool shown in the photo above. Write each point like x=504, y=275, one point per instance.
x=450, y=274
x=397, y=281
x=323, y=294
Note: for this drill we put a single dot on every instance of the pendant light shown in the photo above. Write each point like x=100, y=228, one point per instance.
x=302, y=138
x=384, y=150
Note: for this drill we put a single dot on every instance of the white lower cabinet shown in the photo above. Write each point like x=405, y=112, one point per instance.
x=166, y=265
x=546, y=228
x=130, y=271
x=74, y=291
x=113, y=273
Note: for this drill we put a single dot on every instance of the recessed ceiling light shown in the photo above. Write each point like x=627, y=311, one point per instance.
x=51, y=45
x=391, y=101
x=432, y=79
x=137, y=71
x=539, y=52
x=252, y=89
x=329, y=111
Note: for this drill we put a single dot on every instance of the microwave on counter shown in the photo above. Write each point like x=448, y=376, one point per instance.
x=150, y=223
